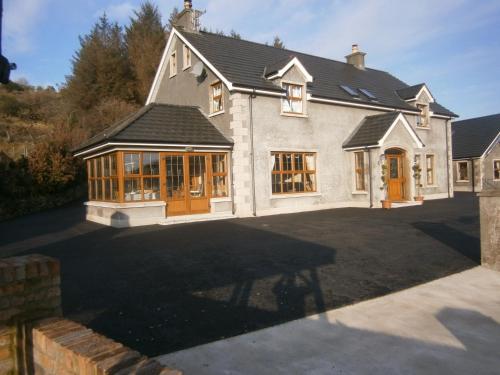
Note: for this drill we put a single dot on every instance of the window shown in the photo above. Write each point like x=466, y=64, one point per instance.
x=359, y=168
x=293, y=172
x=349, y=90
x=219, y=175
x=103, y=178
x=142, y=176
x=173, y=64
x=496, y=169
x=217, y=102
x=368, y=94
x=293, y=102
x=423, y=117
x=429, y=162
x=186, y=58
x=463, y=171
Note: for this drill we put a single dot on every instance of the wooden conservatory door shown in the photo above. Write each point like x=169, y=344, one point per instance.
x=186, y=184
x=395, y=182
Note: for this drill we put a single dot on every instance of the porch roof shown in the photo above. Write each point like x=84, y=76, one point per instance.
x=161, y=123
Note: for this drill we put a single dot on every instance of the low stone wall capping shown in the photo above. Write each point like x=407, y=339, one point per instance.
x=35, y=339
x=489, y=206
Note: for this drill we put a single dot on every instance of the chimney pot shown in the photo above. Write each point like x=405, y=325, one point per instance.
x=355, y=48
x=188, y=4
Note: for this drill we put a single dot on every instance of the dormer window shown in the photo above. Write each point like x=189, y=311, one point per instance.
x=217, y=101
x=423, y=117
x=293, y=102
x=173, y=64
x=186, y=58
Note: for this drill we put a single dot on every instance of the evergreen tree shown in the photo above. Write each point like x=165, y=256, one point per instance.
x=278, y=43
x=145, y=39
x=100, y=68
x=234, y=34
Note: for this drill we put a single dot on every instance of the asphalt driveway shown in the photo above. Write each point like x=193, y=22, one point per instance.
x=162, y=289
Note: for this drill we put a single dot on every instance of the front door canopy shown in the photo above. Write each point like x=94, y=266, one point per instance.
x=374, y=130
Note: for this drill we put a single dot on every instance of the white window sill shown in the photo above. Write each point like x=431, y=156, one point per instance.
x=216, y=114
x=296, y=195
x=186, y=67
x=299, y=115
x=359, y=193
x=423, y=127
x=462, y=181
x=221, y=199
x=431, y=186
x=172, y=76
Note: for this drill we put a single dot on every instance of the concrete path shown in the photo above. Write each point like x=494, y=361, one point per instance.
x=448, y=326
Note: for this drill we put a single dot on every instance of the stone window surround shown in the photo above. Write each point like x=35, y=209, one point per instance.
x=304, y=100
x=173, y=64
x=434, y=184
x=458, y=171
x=187, y=56
x=355, y=190
x=496, y=161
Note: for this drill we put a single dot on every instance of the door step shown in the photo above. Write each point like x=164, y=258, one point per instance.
x=195, y=218
x=405, y=204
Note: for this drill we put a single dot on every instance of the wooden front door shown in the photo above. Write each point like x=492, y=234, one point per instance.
x=395, y=183
x=186, y=186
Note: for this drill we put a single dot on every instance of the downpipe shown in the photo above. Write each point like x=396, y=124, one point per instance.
x=251, y=97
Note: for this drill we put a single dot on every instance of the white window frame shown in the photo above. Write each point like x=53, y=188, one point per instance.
x=187, y=56
x=423, y=118
x=433, y=184
x=495, y=161
x=355, y=182
x=458, y=179
x=212, y=85
x=173, y=64
x=284, y=99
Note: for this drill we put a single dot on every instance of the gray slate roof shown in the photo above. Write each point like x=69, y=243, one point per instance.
x=244, y=63
x=371, y=130
x=410, y=92
x=162, y=123
x=472, y=137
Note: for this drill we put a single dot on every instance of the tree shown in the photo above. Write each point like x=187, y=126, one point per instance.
x=145, y=39
x=234, y=34
x=278, y=43
x=100, y=68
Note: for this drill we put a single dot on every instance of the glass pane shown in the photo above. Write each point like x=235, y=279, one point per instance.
x=299, y=162
x=114, y=189
x=393, y=168
x=286, y=105
x=197, y=176
x=131, y=163
x=276, y=162
x=91, y=167
x=219, y=187
x=98, y=188
x=219, y=163
x=287, y=162
x=107, y=189
x=175, y=177
x=133, y=189
x=297, y=91
x=296, y=106
x=310, y=182
x=288, y=183
x=92, y=195
x=113, y=170
x=463, y=171
x=151, y=188
x=150, y=163
x=276, y=183
x=311, y=162
x=98, y=167
x=497, y=169
x=105, y=162
x=298, y=182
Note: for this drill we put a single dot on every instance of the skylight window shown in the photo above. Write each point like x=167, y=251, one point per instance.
x=349, y=90
x=368, y=94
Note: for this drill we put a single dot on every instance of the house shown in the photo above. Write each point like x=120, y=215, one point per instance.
x=237, y=128
x=476, y=154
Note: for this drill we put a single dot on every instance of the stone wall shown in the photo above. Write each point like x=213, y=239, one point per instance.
x=489, y=205
x=60, y=346
x=29, y=290
x=34, y=339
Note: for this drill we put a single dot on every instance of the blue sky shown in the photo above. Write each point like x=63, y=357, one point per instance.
x=452, y=45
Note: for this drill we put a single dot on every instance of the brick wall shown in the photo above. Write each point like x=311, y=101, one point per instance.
x=35, y=339
x=64, y=347
x=29, y=290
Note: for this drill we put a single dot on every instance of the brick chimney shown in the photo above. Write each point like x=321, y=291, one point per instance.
x=356, y=58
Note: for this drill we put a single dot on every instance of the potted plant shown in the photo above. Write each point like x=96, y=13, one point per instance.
x=386, y=204
x=417, y=175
